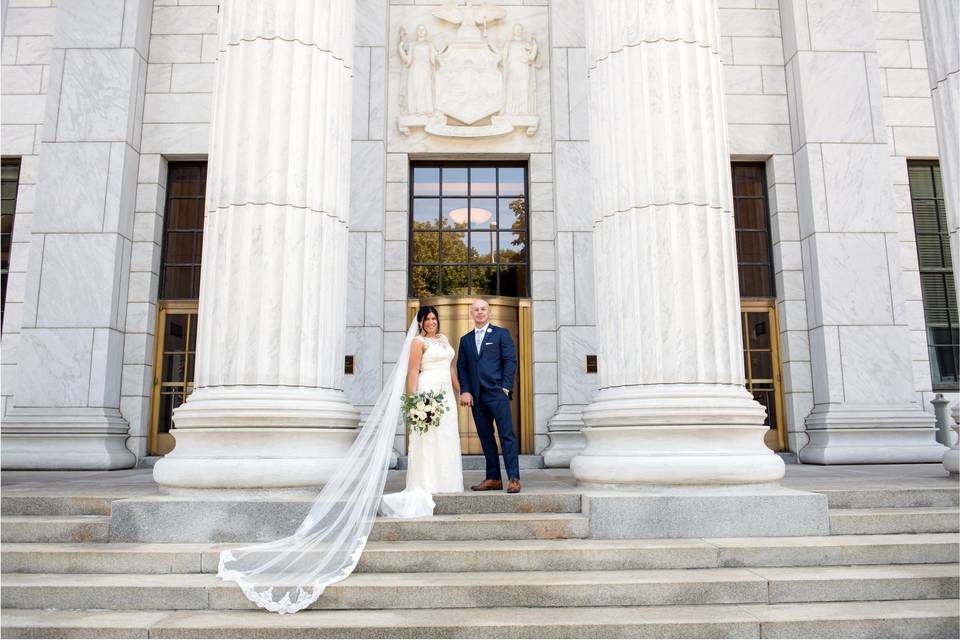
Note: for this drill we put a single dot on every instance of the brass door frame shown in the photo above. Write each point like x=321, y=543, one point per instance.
x=524, y=354
x=163, y=443
x=768, y=306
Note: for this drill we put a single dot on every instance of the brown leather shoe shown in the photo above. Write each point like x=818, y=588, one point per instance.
x=513, y=486
x=487, y=485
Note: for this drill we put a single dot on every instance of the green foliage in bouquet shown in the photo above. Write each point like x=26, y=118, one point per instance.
x=422, y=411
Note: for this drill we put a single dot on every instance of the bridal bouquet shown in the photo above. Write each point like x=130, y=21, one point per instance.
x=423, y=410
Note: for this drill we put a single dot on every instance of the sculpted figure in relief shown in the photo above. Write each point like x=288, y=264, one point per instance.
x=420, y=58
x=519, y=56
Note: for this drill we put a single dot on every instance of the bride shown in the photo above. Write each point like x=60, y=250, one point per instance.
x=291, y=573
x=433, y=457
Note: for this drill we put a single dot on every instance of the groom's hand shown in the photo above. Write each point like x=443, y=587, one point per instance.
x=466, y=400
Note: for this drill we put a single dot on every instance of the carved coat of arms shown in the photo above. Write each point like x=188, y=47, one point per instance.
x=469, y=87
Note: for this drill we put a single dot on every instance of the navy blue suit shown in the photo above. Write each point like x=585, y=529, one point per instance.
x=485, y=376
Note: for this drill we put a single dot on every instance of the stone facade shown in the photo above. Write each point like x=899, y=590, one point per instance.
x=833, y=97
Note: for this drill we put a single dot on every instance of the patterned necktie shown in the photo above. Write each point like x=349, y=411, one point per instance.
x=478, y=336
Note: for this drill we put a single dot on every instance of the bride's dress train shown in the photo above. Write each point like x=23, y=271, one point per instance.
x=434, y=464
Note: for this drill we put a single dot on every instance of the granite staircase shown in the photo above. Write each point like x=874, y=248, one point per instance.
x=497, y=565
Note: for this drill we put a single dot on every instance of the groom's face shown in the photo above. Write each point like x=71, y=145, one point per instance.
x=480, y=311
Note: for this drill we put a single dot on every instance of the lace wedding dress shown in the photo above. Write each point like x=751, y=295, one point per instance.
x=434, y=464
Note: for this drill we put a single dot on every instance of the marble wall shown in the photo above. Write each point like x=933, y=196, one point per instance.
x=175, y=124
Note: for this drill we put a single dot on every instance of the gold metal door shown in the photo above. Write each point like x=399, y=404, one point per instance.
x=511, y=314
x=173, y=369
x=761, y=364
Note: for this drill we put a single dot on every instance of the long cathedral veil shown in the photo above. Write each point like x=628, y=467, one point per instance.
x=289, y=574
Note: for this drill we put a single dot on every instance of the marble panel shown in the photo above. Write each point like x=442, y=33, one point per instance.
x=356, y=261
x=543, y=285
x=908, y=83
x=566, y=282
x=208, y=49
x=794, y=346
x=545, y=377
x=857, y=188
x=744, y=80
x=774, y=81
x=33, y=49
x=395, y=255
x=835, y=98
x=184, y=20
x=29, y=21
x=192, y=78
x=749, y=22
x=172, y=139
x=918, y=54
x=916, y=142
x=105, y=367
x=575, y=344
x=145, y=257
x=80, y=280
x=370, y=23
x=541, y=167
x=574, y=205
x=177, y=107
x=756, y=51
x=541, y=196
x=8, y=50
x=135, y=380
x=544, y=346
x=395, y=316
x=797, y=376
x=840, y=26
x=908, y=257
x=544, y=315
x=787, y=255
x=16, y=140
x=395, y=288
x=23, y=109
x=176, y=48
x=16, y=79
x=543, y=255
x=876, y=365
x=396, y=226
x=121, y=196
x=586, y=306
x=911, y=112
x=96, y=95
x=365, y=345
x=147, y=227
x=577, y=85
x=790, y=284
x=567, y=23
x=149, y=199
x=143, y=287
x=851, y=280
x=158, y=77
x=542, y=225
x=141, y=318
x=360, y=114
x=826, y=365
x=392, y=343
x=398, y=167
x=373, y=285
x=783, y=198
x=921, y=375
x=894, y=53
x=897, y=25
x=811, y=190
x=757, y=109
x=92, y=23
x=367, y=177
x=75, y=201
x=759, y=139
x=726, y=51
x=54, y=367
x=378, y=94
x=397, y=196
x=544, y=408
x=560, y=94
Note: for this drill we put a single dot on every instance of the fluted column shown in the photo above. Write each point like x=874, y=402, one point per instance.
x=941, y=37
x=268, y=409
x=672, y=408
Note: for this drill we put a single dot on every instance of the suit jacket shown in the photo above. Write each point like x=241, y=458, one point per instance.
x=487, y=374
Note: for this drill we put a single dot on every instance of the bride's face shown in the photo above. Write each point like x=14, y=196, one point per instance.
x=429, y=324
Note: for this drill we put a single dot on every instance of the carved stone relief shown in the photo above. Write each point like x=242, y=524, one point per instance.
x=465, y=84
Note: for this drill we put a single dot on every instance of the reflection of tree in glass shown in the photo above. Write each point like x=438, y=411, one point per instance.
x=518, y=245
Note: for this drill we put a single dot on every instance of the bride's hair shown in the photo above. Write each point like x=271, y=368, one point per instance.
x=423, y=313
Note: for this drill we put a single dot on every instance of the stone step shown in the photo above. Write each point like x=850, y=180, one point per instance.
x=898, y=619
x=499, y=589
x=891, y=497
x=515, y=555
x=483, y=527
x=479, y=463
x=895, y=520
x=25, y=505
x=55, y=529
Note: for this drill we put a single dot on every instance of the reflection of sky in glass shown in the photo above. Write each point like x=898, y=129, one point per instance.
x=452, y=204
x=426, y=212
x=511, y=181
x=483, y=181
x=454, y=181
x=481, y=245
x=426, y=181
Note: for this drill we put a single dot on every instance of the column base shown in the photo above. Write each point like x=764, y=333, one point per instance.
x=870, y=434
x=677, y=434
x=66, y=439
x=565, y=430
x=257, y=438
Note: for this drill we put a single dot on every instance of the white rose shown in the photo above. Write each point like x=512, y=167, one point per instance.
x=421, y=406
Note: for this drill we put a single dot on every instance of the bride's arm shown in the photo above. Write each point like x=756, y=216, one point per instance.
x=454, y=380
x=413, y=366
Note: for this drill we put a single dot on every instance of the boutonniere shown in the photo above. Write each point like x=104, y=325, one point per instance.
x=489, y=330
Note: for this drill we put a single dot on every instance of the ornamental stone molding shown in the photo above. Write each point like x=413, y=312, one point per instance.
x=466, y=73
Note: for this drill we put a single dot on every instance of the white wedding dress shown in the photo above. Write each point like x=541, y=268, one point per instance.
x=434, y=464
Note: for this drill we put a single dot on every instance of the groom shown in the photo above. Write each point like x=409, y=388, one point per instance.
x=486, y=364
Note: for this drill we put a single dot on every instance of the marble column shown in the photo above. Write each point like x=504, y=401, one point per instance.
x=672, y=408
x=65, y=410
x=268, y=410
x=941, y=39
x=865, y=408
